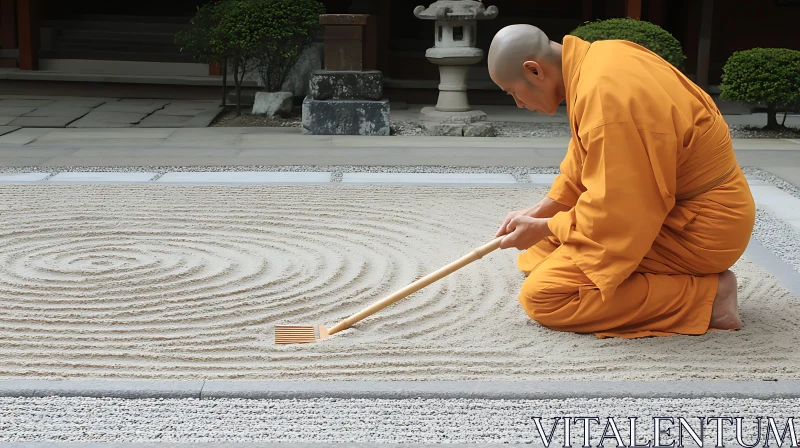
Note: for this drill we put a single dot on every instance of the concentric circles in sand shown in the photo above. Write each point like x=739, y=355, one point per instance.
x=157, y=281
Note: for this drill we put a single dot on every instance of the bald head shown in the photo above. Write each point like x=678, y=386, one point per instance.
x=527, y=65
x=515, y=44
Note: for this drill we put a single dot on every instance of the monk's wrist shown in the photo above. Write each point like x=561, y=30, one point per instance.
x=544, y=224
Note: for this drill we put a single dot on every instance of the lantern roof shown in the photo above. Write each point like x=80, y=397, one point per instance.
x=456, y=10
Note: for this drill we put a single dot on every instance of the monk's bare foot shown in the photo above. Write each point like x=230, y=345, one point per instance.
x=725, y=312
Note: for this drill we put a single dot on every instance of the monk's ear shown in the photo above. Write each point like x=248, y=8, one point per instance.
x=533, y=69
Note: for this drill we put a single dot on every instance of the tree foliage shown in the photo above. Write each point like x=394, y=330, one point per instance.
x=646, y=34
x=763, y=77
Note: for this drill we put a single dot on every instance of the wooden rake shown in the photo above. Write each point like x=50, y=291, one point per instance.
x=297, y=334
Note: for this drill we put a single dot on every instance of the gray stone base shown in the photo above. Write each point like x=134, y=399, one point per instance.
x=346, y=85
x=478, y=129
x=345, y=117
x=431, y=115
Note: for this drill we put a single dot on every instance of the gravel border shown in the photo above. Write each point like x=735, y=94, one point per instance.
x=768, y=177
x=362, y=423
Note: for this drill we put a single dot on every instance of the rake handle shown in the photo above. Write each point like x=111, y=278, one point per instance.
x=476, y=254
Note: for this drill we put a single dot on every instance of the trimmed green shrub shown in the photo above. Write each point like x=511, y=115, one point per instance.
x=763, y=77
x=646, y=34
x=199, y=40
x=263, y=35
x=288, y=27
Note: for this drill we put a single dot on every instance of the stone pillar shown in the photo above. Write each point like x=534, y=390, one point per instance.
x=345, y=98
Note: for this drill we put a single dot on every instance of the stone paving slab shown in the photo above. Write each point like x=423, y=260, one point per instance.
x=164, y=121
x=83, y=123
x=101, y=388
x=15, y=111
x=105, y=151
x=786, y=275
x=83, y=102
x=21, y=102
x=6, y=120
x=56, y=110
x=137, y=106
x=102, y=177
x=780, y=203
x=494, y=390
x=450, y=178
x=99, y=117
x=178, y=112
x=8, y=129
x=245, y=177
x=43, y=122
x=22, y=177
x=121, y=135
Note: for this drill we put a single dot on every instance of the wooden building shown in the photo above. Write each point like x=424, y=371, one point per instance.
x=45, y=41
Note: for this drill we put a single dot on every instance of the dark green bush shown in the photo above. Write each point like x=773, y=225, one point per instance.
x=265, y=35
x=199, y=40
x=763, y=77
x=288, y=27
x=646, y=34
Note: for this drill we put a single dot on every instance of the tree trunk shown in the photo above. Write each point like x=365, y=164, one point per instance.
x=783, y=122
x=238, y=89
x=224, y=81
x=772, y=117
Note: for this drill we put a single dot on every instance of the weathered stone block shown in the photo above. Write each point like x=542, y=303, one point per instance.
x=345, y=117
x=272, y=103
x=480, y=129
x=431, y=115
x=444, y=129
x=346, y=85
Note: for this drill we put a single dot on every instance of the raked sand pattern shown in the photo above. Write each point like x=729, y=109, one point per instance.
x=187, y=282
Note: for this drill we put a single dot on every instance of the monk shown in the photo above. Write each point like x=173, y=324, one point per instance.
x=650, y=209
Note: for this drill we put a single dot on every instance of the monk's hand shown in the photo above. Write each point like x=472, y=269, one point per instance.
x=504, y=230
x=524, y=232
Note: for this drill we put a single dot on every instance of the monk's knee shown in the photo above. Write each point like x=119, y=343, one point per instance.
x=542, y=299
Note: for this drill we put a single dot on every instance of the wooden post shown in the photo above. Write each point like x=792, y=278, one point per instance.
x=28, y=23
x=344, y=41
x=704, y=45
x=8, y=31
x=633, y=9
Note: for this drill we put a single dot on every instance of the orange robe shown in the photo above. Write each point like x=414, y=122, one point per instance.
x=659, y=203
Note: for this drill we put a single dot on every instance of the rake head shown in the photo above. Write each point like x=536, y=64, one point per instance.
x=299, y=334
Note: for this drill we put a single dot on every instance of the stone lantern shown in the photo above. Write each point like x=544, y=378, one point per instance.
x=454, y=51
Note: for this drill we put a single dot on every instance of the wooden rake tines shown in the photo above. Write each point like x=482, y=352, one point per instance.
x=299, y=334
x=292, y=334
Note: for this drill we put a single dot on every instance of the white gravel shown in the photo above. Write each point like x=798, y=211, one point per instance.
x=373, y=420
x=545, y=129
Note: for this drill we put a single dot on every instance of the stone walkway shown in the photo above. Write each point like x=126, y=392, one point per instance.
x=82, y=112
x=53, y=147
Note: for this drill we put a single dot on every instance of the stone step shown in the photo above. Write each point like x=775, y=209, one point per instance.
x=129, y=47
x=117, y=25
x=115, y=55
x=113, y=36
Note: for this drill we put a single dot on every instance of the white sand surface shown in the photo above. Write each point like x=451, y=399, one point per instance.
x=187, y=282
